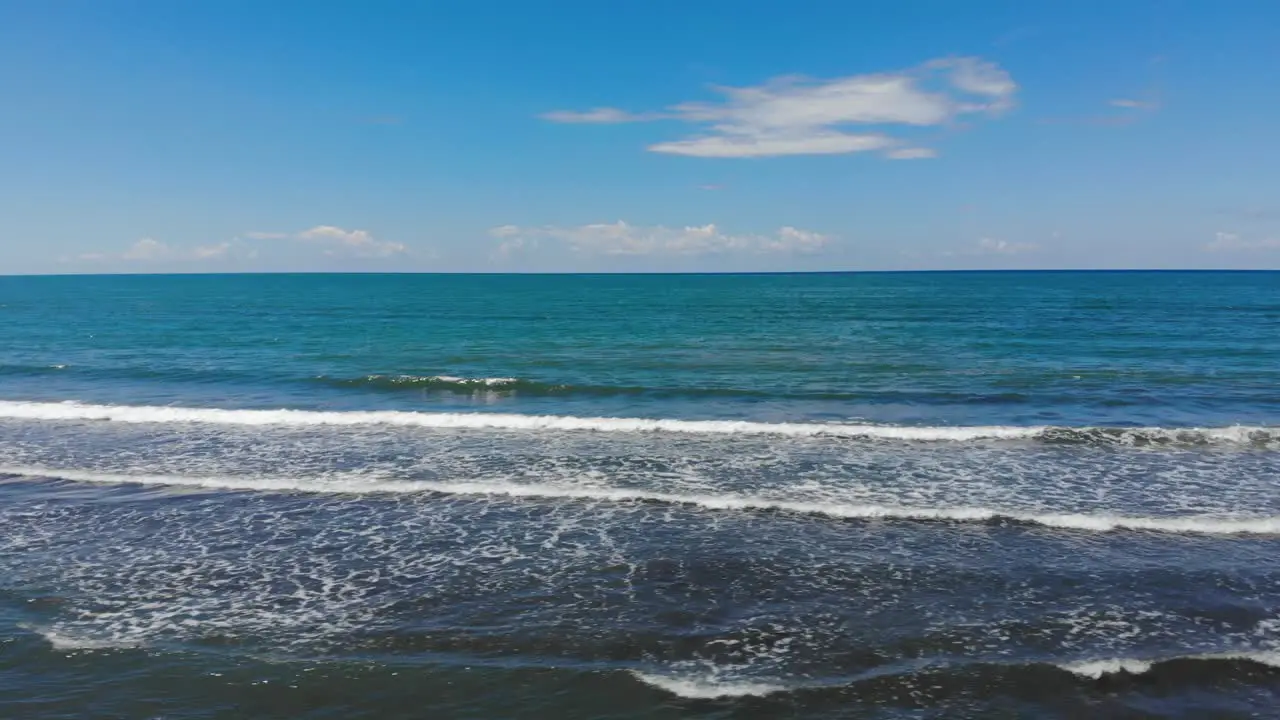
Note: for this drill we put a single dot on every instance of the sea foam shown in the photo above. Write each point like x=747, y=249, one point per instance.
x=74, y=411
x=358, y=484
x=162, y=414
x=708, y=687
x=1096, y=669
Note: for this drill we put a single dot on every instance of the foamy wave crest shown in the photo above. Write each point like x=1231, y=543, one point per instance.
x=438, y=382
x=59, y=640
x=157, y=414
x=1146, y=436
x=347, y=484
x=1096, y=669
x=72, y=411
x=374, y=484
x=707, y=687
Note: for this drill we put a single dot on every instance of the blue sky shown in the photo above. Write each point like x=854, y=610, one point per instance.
x=638, y=136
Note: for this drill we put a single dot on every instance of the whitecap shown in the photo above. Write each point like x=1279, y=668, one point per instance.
x=707, y=687
x=70, y=642
x=1096, y=669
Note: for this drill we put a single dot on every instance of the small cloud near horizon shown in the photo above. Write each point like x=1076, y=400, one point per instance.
x=623, y=239
x=330, y=240
x=151, y=250
x=989, y=246
x=1233, y=242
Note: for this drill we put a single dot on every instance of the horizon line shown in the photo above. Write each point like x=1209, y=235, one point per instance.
x=634, y=273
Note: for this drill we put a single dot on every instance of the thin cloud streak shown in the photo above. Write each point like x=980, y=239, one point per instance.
x=796, y=115
x=623, y=239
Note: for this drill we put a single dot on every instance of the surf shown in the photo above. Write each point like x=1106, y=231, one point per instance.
x=152, y=414
x=377, y=484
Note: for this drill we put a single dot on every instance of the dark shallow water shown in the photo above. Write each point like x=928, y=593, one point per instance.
x=889, y=496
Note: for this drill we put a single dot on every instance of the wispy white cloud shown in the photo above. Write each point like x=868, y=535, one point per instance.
x=513, y=239
x=993, y=246
x=212, y=252
x=1132, y=104
x=743, y=144
x=355, y=242
x=1149, y=99
x=1233, y=242
x=989, y=246
x=150, y=250
x=1124, y=110
x=147, y=249
x=513, y=246
x=796, y=115
x=911, y=153
x=624, y=239
x=599, y=116
x=335, y=241
x=331, y=241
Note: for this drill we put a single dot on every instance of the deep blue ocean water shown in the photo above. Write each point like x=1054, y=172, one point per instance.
x=920, y=495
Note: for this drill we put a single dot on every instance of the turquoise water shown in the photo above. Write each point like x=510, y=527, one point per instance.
x=963, y=348
x=862, y=495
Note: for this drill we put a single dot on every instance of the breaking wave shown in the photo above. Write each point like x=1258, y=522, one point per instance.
x=73, y=411
x=524, y=386
x=707, y=688
x=358, y=484
x=437, y=382
x=1096, y=669
x=22, y=370
x=62, y=641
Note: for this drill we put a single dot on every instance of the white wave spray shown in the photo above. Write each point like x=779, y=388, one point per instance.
x=1096, y=669
x=707, y=688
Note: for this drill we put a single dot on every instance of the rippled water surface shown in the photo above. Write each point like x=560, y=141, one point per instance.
x=1042, y=495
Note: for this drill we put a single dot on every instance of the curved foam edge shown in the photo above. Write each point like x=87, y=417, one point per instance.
x=71, y=643
x=374, y=484
x=1096, y=669
x=75, y=411
x=445, y=380
x=22, y=410
x=707, y=687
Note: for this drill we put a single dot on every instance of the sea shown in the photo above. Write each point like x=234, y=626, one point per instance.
x=865, y=495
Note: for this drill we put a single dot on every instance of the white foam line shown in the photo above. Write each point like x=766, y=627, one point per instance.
x=155, y=414
x=706, y=688
x=445, y=379
x=61, y=641
x=371, y=484
x=1095, y=669
x=469, y=381
x=349, y=484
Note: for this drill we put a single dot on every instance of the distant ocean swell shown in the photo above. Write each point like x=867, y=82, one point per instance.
x=359, y=484
x=454, y=384
x=74, y=411
x=446, y=384
x=539, y=388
